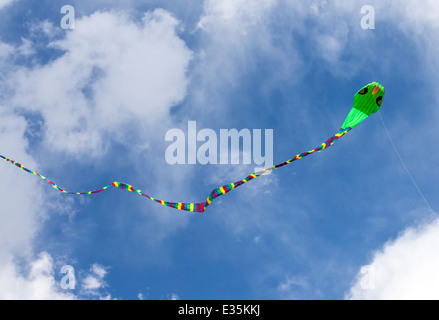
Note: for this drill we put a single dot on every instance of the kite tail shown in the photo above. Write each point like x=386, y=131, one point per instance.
x=192, y=207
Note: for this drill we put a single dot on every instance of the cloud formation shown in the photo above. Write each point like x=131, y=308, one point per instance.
x=4, y=3
x=405, y=268
x=38, y=283
x=112, y=72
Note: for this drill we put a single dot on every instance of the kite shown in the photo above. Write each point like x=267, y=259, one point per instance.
x=367, y=101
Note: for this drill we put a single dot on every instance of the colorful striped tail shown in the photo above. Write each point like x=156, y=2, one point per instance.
x=192, y=207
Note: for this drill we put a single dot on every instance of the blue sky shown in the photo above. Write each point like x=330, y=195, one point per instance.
x=92, y=105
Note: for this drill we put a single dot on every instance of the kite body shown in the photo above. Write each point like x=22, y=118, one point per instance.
x=366, y=102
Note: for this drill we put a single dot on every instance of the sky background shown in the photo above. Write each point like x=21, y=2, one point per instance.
x=90, y=106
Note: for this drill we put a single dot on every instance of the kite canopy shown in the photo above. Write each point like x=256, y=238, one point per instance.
x=366, y=101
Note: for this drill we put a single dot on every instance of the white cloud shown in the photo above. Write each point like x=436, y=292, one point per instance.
x=99, y=270
x=22, y=276
x=26, y=47
x=114, y=72
x=20, y=193
x=237, y=36
x=235, y=14
x=22, y=211
x=288, y=287
x=4, y=3
x=5, y=51
x=38, y=283
x=40, y=279
x=405, y=268
x=331, y=46
x=417, y=18
x=174, y=296
x=45, y=27
x=95, y=280
x=91, y=283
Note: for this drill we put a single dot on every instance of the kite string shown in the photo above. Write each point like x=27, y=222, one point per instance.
x=405, y=167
